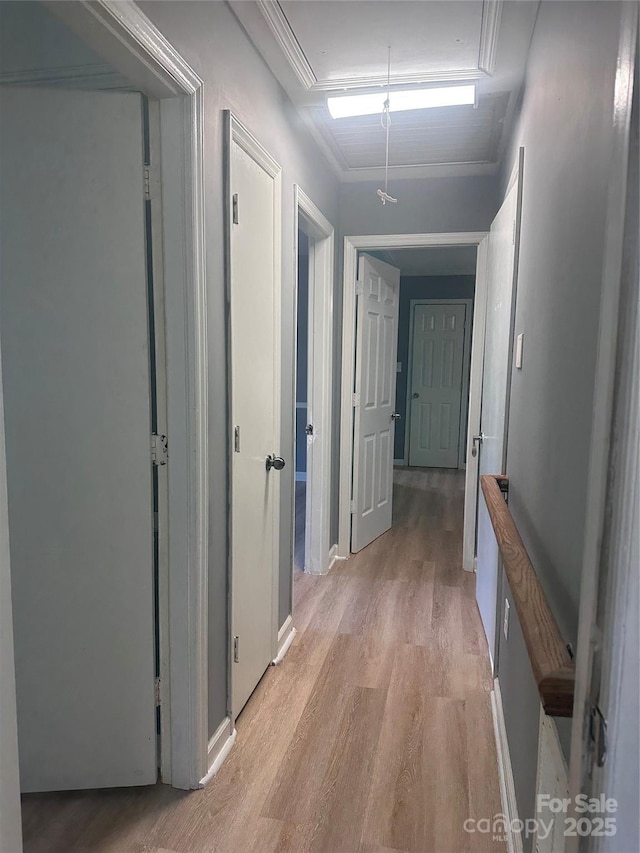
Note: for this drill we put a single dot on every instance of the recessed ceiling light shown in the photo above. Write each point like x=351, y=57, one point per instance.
x=344, y=106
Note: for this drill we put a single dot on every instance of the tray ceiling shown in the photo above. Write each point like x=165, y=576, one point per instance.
x=321, y=47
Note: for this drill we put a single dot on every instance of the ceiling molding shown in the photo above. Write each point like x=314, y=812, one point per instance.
x=286, y=38
x=491, y=14
x=289, y=44
x=457, y=75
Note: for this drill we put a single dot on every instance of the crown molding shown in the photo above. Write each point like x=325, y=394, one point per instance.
x=457, y=76
x=491, y=14
x=289, y=44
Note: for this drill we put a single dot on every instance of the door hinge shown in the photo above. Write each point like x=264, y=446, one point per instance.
x=236, y=439
x=356, y=399
x=598, y=735
x=359, y=287
x=235, y=208
x=159, y=449
x=147, y=182
x=236, y=649
x=352, y=506
x=157, y=692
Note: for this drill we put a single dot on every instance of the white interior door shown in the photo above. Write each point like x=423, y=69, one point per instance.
x=375, y=395
x=75, y=353
x=497, y=356
x=255, y=409
x=436, y=385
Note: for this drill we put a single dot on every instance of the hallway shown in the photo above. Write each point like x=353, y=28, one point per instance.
x=374, y=734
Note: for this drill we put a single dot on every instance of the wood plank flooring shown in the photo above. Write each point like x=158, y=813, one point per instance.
x=374, y=734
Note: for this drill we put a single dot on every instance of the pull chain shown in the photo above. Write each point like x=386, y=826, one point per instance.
x=385, y=121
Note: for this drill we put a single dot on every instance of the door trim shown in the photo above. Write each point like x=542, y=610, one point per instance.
x=128, y=40
x=353, y=245
x=475, y=405
x=591, y=596
x=464, y=391
x=319, y=392
x=236, y=132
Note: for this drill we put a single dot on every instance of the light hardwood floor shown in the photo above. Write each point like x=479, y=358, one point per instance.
x=374, y=734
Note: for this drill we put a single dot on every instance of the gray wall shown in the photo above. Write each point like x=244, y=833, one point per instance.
x=422, y=287
x=424, y=206
x=566, y=129
x=235, y=77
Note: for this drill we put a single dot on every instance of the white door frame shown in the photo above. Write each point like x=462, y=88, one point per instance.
x=464, y=390
x=353, y=245
x=470, y=521
x=128, y=40
x=309, y=218
x=606, y=379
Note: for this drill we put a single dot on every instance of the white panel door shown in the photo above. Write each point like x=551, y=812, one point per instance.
x=75, y=353
x=497, y=354
x=375, y=389
x=436, y=385
x=255, y=407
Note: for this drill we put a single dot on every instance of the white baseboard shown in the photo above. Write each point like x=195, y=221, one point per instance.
x=219, y=747
x=505, y=771
x=333, y=556
x=301, y=476
x=286, y=636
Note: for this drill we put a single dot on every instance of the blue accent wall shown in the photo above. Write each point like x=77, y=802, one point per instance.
x=421, y=287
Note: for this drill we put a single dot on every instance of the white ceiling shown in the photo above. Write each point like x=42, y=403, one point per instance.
x=321, y=47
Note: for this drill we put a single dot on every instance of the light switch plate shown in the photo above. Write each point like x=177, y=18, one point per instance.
x=519, y=345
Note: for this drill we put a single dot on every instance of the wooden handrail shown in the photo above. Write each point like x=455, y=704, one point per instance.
x=552, y=666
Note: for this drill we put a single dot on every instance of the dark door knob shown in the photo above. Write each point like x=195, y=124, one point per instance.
x=276, y=462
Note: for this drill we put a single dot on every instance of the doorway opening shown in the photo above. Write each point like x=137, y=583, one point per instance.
x=304, y=427
x=314, y=260
x=436, y=369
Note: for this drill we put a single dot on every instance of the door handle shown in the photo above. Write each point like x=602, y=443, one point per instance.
x=476, y=442
x=415, y=395
x=276, y=462
x=395, y=416
x=309, y=429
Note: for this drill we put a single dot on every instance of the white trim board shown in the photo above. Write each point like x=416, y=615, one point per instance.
x=132, y=45
x=505, y=771
x=464, y=390
x=353, y=245
x=219, y=747
x=309, y=218
x=286, y=636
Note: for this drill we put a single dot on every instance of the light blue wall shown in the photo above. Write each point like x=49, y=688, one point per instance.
x=421, y=287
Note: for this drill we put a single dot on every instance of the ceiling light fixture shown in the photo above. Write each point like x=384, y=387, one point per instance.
x=346, y=106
